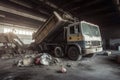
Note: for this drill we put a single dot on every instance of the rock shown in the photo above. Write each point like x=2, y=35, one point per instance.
x=55, y=61
x=20, y=63
x=107, y=53
x=25, y=62
x=37, y=60
x=45, y=59
x=68, y=65
x=63, y=69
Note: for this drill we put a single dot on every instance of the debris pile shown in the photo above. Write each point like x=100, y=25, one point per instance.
x=44, y=59
x=37, y=59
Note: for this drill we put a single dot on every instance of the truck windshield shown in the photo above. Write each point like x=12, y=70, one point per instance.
x=90, y=30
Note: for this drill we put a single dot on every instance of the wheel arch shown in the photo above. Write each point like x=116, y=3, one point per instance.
x=76, y=45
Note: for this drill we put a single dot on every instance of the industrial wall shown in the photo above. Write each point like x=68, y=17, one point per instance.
x=24, y=33
x=111, y=37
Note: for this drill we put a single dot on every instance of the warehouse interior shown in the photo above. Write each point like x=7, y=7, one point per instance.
x=26, y=50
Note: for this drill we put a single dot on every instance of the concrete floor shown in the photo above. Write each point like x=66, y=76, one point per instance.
x=97, y=68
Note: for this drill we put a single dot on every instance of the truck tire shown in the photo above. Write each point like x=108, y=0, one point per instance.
x=58, y=52
x=74, y=53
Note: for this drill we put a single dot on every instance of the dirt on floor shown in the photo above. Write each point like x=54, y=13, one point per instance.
x=99, y=67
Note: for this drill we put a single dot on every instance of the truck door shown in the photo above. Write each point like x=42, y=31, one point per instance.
x=74, y=33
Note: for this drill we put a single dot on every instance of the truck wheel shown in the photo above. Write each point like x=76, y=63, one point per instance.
x=74, y=54
x=58, y=52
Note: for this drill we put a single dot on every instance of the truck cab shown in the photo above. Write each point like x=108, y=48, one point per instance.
x=86, y=36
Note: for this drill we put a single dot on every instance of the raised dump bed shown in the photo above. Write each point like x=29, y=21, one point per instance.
x=53, y=24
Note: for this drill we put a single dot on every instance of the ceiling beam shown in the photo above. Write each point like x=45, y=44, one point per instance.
x=31, y=6
x=22, y=5
x=100, y=17
x=85, y=5
x=16, y=12
x=6, y=15
x=70, y=2
x=52, y=6
x=94, y=11
x=43, y=4
x=20, y=2
x=21, y=23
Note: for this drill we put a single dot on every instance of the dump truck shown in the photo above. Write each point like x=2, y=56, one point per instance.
x=66, y=37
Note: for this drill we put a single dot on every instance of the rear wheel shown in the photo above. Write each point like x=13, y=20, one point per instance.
x=74, y=53
x=58, y=52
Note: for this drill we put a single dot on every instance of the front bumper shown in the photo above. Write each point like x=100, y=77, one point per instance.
x=93, y=50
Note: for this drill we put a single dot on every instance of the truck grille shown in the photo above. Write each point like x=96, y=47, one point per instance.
x=95, y=43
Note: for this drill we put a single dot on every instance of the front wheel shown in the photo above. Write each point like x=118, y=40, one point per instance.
x=74, y=53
